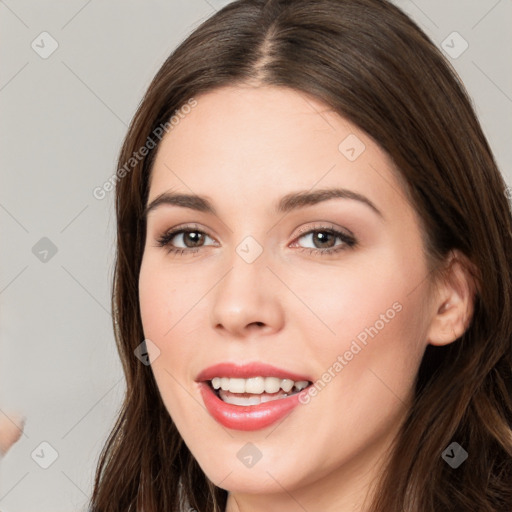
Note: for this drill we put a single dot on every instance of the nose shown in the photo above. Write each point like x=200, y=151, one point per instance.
x=247, y=300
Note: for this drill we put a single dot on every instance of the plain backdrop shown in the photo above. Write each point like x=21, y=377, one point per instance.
x=63, y=118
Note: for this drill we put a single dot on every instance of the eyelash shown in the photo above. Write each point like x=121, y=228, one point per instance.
x=349, y=241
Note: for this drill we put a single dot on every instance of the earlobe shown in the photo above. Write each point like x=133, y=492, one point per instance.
x=453, y=305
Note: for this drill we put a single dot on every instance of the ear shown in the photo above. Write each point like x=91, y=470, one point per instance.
x=453, y=302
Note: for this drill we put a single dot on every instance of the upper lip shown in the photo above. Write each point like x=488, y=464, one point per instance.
x=245, y=371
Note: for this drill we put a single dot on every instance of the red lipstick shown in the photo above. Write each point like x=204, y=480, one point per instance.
x=250, y=417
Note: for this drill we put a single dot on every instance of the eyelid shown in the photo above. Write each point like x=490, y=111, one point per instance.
x=345, y=234
x=319, y=225
x=180, y=228
x=348, y=239
x=302, y=230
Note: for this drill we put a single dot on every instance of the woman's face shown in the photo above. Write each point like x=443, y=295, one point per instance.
x=328, y=289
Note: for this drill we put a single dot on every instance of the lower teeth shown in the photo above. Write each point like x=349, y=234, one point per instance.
x=245, y=399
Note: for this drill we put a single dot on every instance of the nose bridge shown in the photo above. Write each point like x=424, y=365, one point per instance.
x=244, y=296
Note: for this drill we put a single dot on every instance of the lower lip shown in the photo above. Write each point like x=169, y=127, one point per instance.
x=247, y=417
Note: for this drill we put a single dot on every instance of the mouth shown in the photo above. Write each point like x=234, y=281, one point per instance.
x=252, y=396
x=254, y=390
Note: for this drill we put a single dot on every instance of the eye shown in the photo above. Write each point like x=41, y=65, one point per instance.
x=189, y=239
x=183, y=239
x=323, y=240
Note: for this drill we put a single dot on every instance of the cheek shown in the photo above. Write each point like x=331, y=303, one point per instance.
x=368, y=371
x=165, y=302
x=153, y=302
x=378, y=315
x=160, y=309
x=379, y=291
x=163, y=298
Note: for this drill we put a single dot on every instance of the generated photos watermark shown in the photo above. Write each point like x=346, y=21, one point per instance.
x=100, y=192
x=357, y=345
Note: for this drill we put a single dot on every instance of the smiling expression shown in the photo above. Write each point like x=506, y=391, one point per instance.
x=294, y=248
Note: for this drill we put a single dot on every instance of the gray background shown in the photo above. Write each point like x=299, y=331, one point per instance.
x=63, y=119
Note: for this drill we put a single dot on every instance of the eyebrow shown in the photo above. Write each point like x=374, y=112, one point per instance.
x=286, y=204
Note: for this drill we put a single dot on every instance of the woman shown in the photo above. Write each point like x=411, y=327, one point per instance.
x=314, y=244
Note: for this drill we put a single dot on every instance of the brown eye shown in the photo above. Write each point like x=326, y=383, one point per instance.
x=192, y=238
x=183, y=239
x=324, y=240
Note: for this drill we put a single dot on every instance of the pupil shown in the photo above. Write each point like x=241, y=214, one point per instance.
x=323, y=235
x=194, y=235
x=196, y=238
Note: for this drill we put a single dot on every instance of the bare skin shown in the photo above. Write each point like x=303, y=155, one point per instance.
x=296, y=306
x=11, y=428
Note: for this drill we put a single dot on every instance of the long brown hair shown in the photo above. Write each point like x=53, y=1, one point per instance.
x=370, y=63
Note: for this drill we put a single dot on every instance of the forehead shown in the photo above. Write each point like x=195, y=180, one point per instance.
x=246, y=144
x=231, y=122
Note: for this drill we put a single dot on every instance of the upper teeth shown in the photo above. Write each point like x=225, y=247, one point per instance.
x=257, y=385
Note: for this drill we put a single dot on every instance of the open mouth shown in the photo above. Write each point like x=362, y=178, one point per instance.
x=254, y=390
